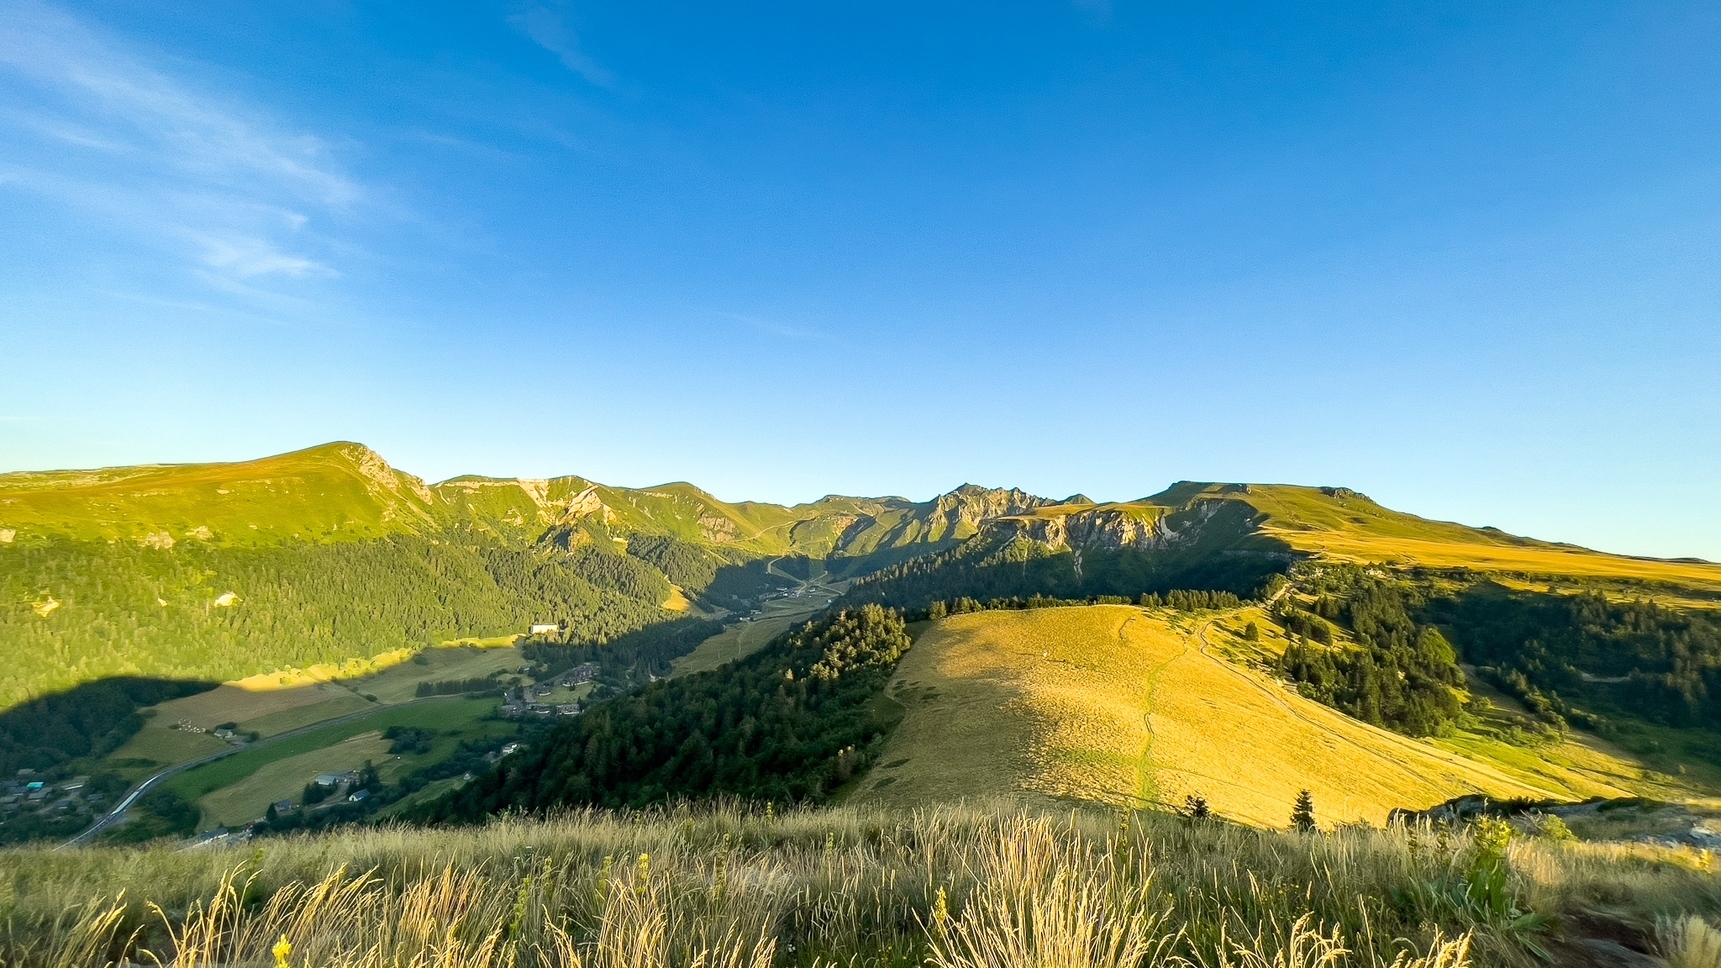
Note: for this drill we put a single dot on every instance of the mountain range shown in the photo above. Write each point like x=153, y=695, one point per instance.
x=347, y=492
x=144, y=582
x=326, y=554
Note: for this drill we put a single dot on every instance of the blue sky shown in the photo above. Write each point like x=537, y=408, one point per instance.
x=1462, y=257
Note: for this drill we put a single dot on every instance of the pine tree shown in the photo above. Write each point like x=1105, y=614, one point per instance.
x=1303, y=814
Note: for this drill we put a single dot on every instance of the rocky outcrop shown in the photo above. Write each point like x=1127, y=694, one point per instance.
x=962, y=511
x=1111, y=527
x=584, y=505
x=1091, y=527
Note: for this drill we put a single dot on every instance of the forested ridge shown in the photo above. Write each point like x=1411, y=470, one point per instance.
x=1587, y=657
x=77, y=611
x=1401, y=674
x=791, y=723
x=984, y=569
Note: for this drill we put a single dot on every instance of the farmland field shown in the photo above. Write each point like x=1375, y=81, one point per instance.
x=442, y=715
x=248, y=799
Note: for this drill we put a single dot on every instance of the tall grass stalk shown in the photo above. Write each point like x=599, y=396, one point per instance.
x=726, y=887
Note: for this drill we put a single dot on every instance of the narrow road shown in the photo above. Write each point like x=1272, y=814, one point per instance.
x=117, y=814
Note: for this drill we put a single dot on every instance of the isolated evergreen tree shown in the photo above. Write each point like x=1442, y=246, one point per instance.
x=1303, y=814
x=1252, y=632
x=1196, y=807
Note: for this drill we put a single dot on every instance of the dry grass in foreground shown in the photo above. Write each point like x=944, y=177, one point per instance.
x=953, y=887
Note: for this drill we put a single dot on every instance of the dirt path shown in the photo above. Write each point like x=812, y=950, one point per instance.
x=1147, y=788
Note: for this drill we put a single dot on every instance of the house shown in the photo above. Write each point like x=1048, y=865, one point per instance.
x=584, y=672
x=568, y=709
x=223, y=733
x=358, y=795
x=511, y=748
x=208, y=838
x=284, y=807
x=545, y=628
x=329, y=779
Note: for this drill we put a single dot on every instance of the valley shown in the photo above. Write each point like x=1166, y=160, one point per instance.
x=278, y=731
x=321, y=613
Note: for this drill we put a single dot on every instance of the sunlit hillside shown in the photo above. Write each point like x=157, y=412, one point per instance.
x=1123, y=705
x=1342, y=525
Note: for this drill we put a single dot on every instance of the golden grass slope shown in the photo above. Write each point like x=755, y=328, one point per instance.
x=1343, y=525
x=1122, y=705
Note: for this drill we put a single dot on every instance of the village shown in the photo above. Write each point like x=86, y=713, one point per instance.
x=25, y=792
x=532, y=700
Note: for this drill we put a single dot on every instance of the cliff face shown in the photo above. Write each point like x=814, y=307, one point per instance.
x=1137, y=526
x=962, y=511
x=1107, y=528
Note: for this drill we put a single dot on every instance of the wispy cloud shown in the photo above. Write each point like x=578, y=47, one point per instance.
x=91, y=121
x=549, y=29
x=784, y=330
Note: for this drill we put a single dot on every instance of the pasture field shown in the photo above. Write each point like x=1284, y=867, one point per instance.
x=247, y=800
x=677, y=600
x=1121, y=705
x=742, y=639
x=464, y=661
x=441, y=715
x=155, y=746
x=257, y=707
x=431, y=791
x=739, y=640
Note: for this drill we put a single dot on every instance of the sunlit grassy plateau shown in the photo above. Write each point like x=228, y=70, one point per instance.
x=1116, y=704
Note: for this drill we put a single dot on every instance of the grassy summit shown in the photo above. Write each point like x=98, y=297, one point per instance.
x=338, y=491
x=1339, y=524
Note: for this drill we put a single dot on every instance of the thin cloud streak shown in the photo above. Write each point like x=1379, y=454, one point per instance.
x=798, y=333
x=549, y=30
x=95, y=127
